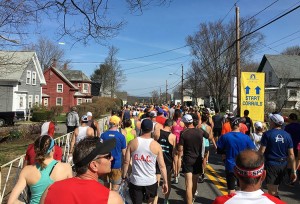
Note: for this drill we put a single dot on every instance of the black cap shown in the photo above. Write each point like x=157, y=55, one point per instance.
x=147, y=125
x=235, y=121
x=102, y=147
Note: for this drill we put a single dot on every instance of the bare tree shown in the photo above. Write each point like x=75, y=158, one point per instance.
x=78, y=19
x=155, y=97
x=110, y=74
x=214, y=58
x=293, y=50
x=47, y=51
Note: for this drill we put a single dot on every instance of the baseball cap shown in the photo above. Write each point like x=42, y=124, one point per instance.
x=230, y=115
x=102, y=147
x=276, y=118
x=235, y=121
x=258, y=124
x=89, y=114
x=147, y=125
x=114, y=120
x=152, y=114
x=48, y=128
x=160, y=111
x=227, y=111
x=84, y=118
x=187, y=118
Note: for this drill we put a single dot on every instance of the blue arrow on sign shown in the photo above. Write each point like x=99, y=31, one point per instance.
x=247, y=89
x=257, y=89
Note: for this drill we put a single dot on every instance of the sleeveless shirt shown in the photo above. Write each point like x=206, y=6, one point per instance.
x=38, y=189
x=129, y=136
x=167, y=148
x=81, y=133
x=177, y=129
x=143, y=164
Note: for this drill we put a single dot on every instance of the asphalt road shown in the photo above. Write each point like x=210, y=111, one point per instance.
x=215, y=185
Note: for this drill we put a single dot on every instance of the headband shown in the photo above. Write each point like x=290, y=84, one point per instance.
x=51, y=146
x=254, y=173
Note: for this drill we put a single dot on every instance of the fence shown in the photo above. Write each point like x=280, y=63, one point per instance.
x=9, y=172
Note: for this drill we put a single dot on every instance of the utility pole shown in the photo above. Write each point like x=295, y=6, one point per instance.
x=160, y=95
x=238, y=68
x=182, y=85
x=166, y=91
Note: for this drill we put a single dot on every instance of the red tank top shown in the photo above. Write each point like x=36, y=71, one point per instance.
x=76, y=190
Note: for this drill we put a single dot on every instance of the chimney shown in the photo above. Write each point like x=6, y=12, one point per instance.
x=54, y=63
x=65, y=66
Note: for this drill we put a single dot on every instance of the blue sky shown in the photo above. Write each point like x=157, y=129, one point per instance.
x=162, y=28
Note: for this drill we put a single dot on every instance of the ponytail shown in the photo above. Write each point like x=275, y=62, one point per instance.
x=42, y=147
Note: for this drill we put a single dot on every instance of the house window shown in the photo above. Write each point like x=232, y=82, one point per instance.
x=30, y=101
x=46, y=102
x=59, y=101
x=21, y=102
x=293, y=93
x=270, y=76
x=59, y=88
x=37, y=100
x=79, y=101
x=88, y=100
x=85, y=88
x=28, y=77
x=33, y=78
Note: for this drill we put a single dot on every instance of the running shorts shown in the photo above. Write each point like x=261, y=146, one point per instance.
x=195, y=168
x=275, y=174
x=137, y=192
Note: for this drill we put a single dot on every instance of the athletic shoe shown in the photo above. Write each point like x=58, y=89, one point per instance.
x=201, y=178
x=196, y=193
x=176, y=180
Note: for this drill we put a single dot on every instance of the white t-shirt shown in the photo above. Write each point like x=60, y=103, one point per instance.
x=242, y=197
x=256, y=138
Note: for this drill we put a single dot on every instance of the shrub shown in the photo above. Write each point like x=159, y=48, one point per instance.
x=14, y=134
x=40, y=116
x=57, y=110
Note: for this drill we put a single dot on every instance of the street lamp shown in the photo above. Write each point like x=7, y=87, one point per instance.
x=181, y=83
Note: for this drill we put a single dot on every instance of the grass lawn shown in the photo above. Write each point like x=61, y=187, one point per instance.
x=10, y=150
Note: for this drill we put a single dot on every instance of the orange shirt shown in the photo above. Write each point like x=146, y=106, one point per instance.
x=243, y=128
x=226, y=128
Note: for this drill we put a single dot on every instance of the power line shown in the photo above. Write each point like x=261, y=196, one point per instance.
x=137, y=67
x=130, y=59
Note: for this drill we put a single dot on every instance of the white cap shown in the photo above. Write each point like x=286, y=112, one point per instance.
x=276, y=118
x=187, y=118
x=258, y=124
x=89, y=114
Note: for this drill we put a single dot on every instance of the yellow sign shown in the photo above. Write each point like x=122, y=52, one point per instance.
x=253, y=94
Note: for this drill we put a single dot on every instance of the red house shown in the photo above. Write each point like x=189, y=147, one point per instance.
x=66, y=88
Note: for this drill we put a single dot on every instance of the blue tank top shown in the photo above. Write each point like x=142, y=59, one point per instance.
x=38, y=189
x=205, y=141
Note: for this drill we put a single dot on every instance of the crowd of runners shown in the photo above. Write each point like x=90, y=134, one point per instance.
x=148, y=147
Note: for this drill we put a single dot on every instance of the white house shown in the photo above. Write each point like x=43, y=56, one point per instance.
x=282, y=79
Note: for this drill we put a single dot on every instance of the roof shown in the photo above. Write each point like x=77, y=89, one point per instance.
x=64, y=78
x=13, y=64
x=76, y=75
x=284, y=66
x=122, y=95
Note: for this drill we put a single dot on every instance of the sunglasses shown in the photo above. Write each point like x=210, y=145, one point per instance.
x=108, y=156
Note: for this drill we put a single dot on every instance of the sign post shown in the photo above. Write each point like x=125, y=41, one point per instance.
x=253, y=95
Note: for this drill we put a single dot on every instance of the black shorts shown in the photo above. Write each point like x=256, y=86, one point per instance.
x=137, y=192
x=206, y=150
x=168, y=167
x=217, y=132
x=230, y=179
x=195, y=168
x=275, y=174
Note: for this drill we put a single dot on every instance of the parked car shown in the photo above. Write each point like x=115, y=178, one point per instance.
x=9, y=118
